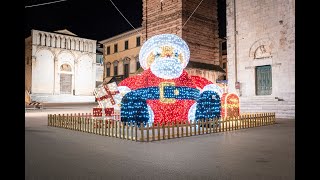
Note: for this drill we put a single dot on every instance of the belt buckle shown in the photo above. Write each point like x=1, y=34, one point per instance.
x=161, y=89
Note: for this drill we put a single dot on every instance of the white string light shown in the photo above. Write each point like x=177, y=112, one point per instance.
x=44, y=3
x=125, y=18
x=192, y=14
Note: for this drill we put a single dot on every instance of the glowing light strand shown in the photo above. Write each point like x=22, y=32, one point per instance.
x=134, y=104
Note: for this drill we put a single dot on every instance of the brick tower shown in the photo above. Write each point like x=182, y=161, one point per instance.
x=200, y=31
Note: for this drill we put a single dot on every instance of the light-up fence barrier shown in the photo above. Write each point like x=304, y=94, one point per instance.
x=156, y=132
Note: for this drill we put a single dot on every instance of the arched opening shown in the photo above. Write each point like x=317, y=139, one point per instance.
x=65, y=79
x=126, y=67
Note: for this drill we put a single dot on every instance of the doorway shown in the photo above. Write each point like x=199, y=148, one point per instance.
x=65, y=83
x=263, y=80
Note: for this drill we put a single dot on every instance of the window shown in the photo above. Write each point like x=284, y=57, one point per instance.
x=126, y=45
x=108, y=50
x=138, y=65
x=126, y=70
x=115, y=48
x=115, y=70
x=65, y=67
x=108, y=71
x=224, y=65
x=138, y=41
x=99, y=59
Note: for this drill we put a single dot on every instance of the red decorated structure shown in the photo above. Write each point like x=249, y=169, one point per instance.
x=107, y=97
x=164, y=92
x=230, y=105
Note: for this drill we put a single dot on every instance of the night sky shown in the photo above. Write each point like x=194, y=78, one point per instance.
x=94, y=19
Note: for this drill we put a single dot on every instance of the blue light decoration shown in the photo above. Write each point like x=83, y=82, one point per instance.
x=134, y=108
x=208, y=106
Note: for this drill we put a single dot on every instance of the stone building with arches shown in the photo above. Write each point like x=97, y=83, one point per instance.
x=261, y=55
x=60, y=67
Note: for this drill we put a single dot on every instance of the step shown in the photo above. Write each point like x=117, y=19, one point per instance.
x=279, y=113
x=264, y=98
x=279, y=107
x=61, y=98
x=267, y=110
x=268, y=103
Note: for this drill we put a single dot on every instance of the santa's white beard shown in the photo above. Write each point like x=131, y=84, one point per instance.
x=166, y=68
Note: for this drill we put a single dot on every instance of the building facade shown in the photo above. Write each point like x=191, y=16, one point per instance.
x=261, y=51
x=60, y=67
x=121, y=55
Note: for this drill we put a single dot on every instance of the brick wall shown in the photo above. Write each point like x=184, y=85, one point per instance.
x=200, y=32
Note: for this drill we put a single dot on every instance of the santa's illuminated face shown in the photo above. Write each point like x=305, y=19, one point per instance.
x=166, y=55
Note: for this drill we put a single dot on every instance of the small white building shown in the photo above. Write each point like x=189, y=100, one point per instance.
x=60, y=67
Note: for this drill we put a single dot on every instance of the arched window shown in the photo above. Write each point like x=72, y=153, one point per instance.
x=108, y=65
x=90, y=47
x=65, y=68
x=68, y=43
x=58, y=42
x=115, y=68
x=72, y=44
x=63, y=42
x=48, y=40
x=262, y=51
x=77, y=45
x=38, y=39
x=85, y=46
x=126, y=69
x=53, y=41
x=137, y=63
x=43, y=39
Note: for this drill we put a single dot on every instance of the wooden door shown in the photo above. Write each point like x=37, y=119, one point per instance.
x=65, y=83
x=263, y=80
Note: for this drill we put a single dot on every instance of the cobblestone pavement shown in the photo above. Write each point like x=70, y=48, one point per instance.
x=261, y=153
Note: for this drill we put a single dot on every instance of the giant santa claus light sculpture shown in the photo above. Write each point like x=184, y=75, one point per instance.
x=164, y=92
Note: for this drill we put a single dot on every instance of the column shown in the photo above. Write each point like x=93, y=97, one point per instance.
x=48, y=40
x=53, y=41
x=56, y=88
x=63, y=41
x=58, y=45
x=43, y=38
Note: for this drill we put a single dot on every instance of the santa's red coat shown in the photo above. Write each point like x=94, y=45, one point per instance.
x=166, y=112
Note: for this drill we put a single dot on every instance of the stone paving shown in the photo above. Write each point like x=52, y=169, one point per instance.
x=260, y=153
